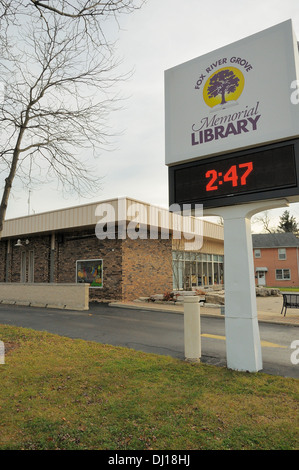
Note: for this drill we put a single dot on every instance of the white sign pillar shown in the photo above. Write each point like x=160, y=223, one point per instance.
x=243, y=346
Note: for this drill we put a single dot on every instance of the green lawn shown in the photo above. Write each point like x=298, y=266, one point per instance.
x=59, y=393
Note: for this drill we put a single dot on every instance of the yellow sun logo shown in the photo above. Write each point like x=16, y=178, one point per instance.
x=224, y=85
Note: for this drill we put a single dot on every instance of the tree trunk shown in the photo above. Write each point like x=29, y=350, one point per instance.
x=223, y=97
x=10, y=178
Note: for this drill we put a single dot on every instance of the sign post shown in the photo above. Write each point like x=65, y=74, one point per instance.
x=241, y=323
x=232, y=145
x=243, y=347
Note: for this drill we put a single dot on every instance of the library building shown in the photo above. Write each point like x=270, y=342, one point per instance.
x=119, y=249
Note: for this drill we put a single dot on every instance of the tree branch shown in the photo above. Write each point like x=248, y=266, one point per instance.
x=58, y=72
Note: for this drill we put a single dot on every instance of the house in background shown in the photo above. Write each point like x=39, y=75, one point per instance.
x=276, y=259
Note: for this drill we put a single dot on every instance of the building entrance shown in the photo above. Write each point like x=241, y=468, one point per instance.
x=191, y=270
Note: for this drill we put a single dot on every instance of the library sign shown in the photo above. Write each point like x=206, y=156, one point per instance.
x=222, y=91
x=228, y=114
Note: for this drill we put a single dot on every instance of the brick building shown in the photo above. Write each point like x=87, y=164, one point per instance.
x=276, y=259
x=90, y=243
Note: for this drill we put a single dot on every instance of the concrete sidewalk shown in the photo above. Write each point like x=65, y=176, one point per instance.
x=268, y=308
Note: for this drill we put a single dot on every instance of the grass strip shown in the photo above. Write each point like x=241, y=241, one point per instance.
x=63, y=394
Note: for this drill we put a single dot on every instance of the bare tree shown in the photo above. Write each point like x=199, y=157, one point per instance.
x=265, y=220
x=89, y=14
x=57, y=73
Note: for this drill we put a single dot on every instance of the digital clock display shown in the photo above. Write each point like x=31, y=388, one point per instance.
x=228, y=179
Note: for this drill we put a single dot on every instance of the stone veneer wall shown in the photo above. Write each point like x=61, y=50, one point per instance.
x=64, y=296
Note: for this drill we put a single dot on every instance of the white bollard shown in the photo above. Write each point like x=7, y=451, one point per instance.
x=192, y=338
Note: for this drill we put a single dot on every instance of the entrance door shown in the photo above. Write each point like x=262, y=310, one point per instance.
x=27, y=266
x=261, y=278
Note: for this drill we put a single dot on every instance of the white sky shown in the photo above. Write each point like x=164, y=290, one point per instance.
x=163, y=34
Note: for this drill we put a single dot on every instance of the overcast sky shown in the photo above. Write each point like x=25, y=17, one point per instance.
x=164, y=33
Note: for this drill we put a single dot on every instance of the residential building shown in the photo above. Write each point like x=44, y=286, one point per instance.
x=276, y=259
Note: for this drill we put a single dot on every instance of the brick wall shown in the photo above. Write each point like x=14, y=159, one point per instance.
x=85, y=246
x=3, y=248
x=131, y=268
x=40, y=246
x=269, y=259
x=147, y=267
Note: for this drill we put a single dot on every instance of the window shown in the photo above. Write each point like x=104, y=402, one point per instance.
x=282, y=274
x=282, y=253
x=196, y=269
x=257, y=253
x=90, y=271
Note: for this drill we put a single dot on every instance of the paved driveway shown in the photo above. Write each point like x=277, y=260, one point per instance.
x=154, y=332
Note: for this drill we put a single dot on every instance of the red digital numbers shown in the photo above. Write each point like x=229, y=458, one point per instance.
x=249, y=168
x=214, y=175
x=233, y=176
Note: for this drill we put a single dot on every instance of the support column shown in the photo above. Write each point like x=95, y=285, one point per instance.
x=243, y=346
x=8, y=261
x=52, y=255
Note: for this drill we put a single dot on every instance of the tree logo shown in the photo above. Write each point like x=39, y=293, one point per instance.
x=223, y=88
